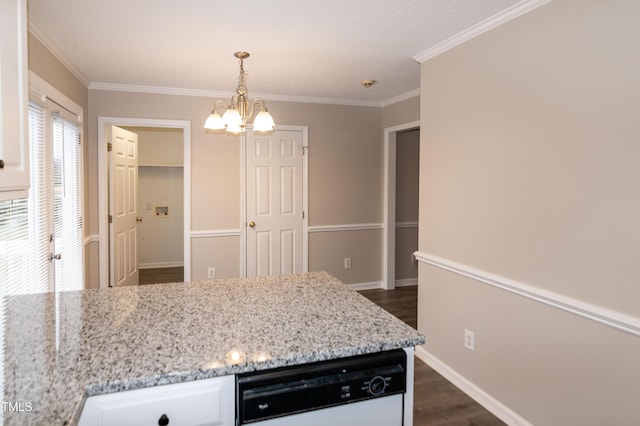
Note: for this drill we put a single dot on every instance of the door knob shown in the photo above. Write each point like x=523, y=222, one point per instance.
x=53, y=257
x=138, y=219
x=252, y=224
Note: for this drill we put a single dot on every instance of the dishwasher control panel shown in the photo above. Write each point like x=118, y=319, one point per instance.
x=290, y=390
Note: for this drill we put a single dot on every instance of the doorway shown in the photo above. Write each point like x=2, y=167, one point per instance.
x=163, y=211
x=160, y=245
x=389, y=220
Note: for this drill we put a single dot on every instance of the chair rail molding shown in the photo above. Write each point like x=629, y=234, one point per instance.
x=583, y=309
x=345, y=227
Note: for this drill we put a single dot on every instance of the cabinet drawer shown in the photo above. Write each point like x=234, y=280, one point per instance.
x=207, y=402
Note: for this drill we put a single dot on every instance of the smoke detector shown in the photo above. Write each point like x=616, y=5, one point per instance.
x=367, y=83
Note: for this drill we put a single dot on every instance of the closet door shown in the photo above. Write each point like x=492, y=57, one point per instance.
x=274, y=203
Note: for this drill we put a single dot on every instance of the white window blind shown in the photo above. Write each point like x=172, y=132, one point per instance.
x=41, y=238
x=67, y=204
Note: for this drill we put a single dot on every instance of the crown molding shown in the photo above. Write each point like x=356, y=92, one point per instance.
x=39, y=35
x=222, y=94
x=403, y=97
x=482, y=27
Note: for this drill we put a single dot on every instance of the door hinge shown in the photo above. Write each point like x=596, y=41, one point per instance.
x=109, y=146
x=110, y=219
x=303, y=214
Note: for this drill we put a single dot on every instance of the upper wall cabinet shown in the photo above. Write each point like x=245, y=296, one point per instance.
x=14, y=141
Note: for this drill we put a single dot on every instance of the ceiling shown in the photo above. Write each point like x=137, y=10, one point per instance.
x=300, y=49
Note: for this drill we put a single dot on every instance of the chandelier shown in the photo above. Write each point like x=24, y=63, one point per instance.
x=239, y=112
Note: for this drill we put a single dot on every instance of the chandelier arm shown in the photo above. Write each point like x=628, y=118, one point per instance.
x=217, y=105
x=257, y=106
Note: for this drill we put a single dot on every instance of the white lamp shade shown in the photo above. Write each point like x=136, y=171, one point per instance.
x=263, y=122
x=214, y=122
x=231, y=117
x=232, y=128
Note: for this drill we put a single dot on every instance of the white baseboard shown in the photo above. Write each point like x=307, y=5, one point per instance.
x=365, y=286
x=407, y=282
x=378, y=284
x=153, y=265
x=500, y=410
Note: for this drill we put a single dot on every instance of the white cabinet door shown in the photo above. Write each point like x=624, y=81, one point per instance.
x=14, y=143
x=209, y=402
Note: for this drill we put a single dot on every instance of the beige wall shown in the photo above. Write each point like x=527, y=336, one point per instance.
x=345, y=176
x=43, y=63
x=529, y=172
x=402, y=112
x=159, y=146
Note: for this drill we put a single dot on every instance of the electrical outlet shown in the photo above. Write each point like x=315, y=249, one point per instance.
x=211, y=273
x=347, y=263
x=469, y=340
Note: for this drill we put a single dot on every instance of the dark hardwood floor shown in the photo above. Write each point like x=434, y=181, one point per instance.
x=437, y=401
x=161, y=275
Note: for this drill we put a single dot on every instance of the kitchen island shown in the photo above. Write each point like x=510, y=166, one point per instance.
x=62, y=348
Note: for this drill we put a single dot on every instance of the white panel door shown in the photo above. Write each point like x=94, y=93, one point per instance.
x=123, y=207
x=274, y=203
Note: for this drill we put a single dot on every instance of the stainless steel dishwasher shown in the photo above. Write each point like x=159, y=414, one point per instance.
x=361, y=390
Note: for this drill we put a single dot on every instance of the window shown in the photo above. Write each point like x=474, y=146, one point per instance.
x=41, y=238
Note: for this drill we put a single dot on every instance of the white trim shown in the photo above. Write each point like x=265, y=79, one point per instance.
x=212, y=233
x=389, y=203
x=586, y=310
x=305, y=198
x=135, y=88
x=103, y=226
x=411, y=224
x=406, y=282
x=373, y=285
x=402, y=97
x=500, y=410
x=243, y=205
x=365, y=286
x=409, y=394
x=43, y=88
x=156, y=265
x=481, y=27
x=177, y=91
x=346, y=227
x=39, y=35
x=93, y=238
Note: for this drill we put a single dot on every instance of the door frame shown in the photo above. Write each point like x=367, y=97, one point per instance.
x=103, y=194
x=389, y=204
x=305, y=198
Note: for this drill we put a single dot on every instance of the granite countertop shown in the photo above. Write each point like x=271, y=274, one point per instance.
x=62, y=348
